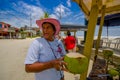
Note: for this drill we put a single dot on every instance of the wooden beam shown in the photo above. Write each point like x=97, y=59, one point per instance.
x=98, y=2
x=111, y=9
x=83, y=7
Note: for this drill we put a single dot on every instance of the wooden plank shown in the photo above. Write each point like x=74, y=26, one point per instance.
x=113, y=9
x=83, y=7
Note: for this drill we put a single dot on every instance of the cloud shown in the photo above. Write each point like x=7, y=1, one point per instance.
x=74, y=18
x=21, y=15
x=68, y=22
x=53, y=16
x=69, y=3
x=67, y=16
x=62, y=11
x=78, y=16
x=13, y=20
x=30, y=9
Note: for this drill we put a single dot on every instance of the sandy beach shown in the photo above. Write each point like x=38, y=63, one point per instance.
x=12, y=56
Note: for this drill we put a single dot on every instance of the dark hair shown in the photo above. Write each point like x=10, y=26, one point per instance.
x=68, y=33
x=53, y=26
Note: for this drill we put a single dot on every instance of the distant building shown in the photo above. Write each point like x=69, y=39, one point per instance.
x=30, y=31
x=6, y=31
x=9, y=32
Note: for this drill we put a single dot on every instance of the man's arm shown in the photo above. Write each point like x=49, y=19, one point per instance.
x=40, y=66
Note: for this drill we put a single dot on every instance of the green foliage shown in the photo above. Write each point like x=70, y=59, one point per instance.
x=118, y=69
x=39, y=33
x=113, y=72
x=21, y=29
x=107, y=53
x=46, y=15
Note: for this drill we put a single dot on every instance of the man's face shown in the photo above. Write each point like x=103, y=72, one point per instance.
x=48, y=31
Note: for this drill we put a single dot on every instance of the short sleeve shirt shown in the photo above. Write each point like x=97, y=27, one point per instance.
x=70, y=42
x=43, y=51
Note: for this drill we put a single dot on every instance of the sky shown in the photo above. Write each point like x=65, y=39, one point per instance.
x=19, y=13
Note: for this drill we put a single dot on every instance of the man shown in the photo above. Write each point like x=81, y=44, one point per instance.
x=70, y=42
x=45, y=55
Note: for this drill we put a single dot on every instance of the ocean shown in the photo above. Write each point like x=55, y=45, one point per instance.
x=112, y=32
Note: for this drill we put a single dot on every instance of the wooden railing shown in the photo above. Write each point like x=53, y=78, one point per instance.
x=111, y=43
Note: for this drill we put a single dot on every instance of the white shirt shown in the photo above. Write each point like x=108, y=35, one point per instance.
x=41, y=50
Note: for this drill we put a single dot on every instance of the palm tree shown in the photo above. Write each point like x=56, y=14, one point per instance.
x=46, y=15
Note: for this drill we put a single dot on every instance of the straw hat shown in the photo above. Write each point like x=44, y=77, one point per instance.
x=55, y=22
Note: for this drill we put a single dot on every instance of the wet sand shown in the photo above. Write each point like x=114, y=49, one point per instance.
x=12, y=56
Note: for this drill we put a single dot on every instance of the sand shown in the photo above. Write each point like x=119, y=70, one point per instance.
x=12, y=56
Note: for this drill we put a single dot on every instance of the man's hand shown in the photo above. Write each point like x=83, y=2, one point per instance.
x=59, y=64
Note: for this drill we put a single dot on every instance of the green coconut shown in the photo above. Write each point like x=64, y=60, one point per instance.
x=76, y=63
x=113, y=72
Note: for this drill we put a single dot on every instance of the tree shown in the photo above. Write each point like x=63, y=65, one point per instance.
x=46, y=15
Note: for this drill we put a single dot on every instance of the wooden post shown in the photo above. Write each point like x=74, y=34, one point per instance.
x=85, y=32
x=10, y=35
x=90, y=35
x=75, y=33
x=100, y=31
